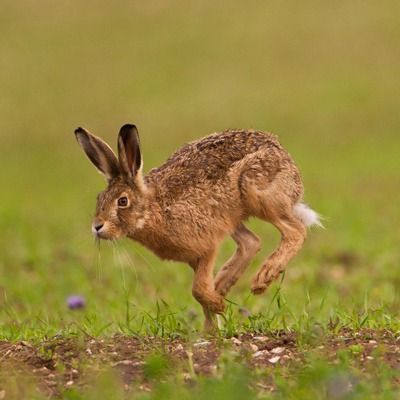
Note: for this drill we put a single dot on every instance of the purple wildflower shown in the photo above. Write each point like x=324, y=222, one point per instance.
x=76, y=302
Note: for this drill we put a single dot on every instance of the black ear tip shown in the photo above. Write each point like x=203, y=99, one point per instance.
x=128, y=127
x=79, y=130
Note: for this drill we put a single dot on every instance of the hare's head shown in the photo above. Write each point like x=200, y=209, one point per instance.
x=123, y=201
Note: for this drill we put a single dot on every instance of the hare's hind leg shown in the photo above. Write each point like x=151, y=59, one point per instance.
x=204, y=292
x=293, y=234
x=272, y=198
x=248, y=245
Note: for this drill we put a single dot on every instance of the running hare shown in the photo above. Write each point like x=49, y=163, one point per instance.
x=184, y=209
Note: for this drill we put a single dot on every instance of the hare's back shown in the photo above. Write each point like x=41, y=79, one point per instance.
x=210, y=158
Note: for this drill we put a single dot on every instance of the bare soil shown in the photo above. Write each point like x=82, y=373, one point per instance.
x=60, y=363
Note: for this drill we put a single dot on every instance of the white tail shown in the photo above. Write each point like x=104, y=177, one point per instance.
x=308, y=216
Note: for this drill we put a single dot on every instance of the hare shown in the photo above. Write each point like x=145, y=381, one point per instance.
x=202, y=193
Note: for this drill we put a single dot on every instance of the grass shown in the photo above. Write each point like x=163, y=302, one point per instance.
x=324, y=77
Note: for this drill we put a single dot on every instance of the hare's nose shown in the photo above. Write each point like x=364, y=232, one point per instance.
x=98, y=227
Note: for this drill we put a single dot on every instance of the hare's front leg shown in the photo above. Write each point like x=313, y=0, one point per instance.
x=204, y=292
x=248, y=246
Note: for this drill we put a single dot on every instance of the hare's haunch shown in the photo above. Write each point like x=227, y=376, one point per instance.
x=205, y=191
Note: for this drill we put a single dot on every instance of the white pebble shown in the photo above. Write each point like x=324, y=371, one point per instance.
x=278, y=350
x=261, y=353
x=274, y=360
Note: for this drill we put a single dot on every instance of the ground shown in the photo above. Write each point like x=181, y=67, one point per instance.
x=57, y=366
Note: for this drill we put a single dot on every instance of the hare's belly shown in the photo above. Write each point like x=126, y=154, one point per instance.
x=188, y=237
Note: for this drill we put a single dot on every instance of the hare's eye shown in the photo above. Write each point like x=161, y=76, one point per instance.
x=122, y=201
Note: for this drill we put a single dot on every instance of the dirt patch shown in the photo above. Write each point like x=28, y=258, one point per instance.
x=59, y=363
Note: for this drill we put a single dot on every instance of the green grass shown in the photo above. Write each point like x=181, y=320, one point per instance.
x=324, y=77
x=316, y=379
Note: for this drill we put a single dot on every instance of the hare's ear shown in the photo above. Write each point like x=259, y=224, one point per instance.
x=130, y=159
x=99, y=153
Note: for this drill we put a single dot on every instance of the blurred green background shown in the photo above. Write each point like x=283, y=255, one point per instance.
x=324, y=76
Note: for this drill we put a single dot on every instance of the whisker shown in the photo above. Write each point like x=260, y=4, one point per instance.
x=117, y=255
x=97, y=259
x=144, y=259
x=130, y=262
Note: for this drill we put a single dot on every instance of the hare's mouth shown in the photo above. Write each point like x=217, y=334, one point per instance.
x=104, y=231
x=104, y=236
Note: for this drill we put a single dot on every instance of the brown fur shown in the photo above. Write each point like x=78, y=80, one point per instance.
x=183, y=209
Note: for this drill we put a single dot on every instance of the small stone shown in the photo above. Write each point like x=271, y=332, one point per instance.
x=236, y=341
x=253, y=347
x=138, y=363
x=186, y=376
x=179, y=347
x=205, y=343
x=369, y=358
x=278, y=350
x=261, y=338
x=122, y=362
x=145, y=387
x=372, y=342
x=69, y=383
x=274, y=360
x=8, y=352
x=261, y=353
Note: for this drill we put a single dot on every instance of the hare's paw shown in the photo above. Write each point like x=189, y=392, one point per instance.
x=216, y=304
x=258, y=288
x=262, y=280
x=209, y=299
